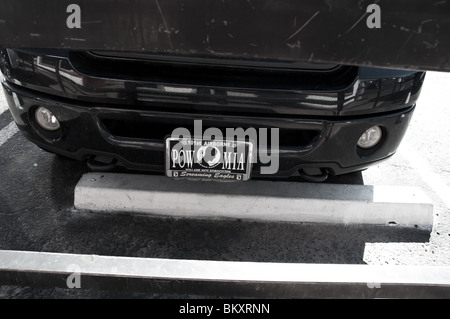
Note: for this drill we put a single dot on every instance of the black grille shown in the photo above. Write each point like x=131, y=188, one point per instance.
x=158, y=131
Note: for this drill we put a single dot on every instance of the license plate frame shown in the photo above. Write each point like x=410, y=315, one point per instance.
x=229, y=167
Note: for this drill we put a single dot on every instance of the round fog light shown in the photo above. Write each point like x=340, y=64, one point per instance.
x=46, y=119
x=371, y=137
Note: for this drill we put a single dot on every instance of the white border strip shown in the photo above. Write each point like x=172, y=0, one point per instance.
x=7, y=132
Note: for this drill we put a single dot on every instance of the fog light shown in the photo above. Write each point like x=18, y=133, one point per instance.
x=371, y=137
x=46, y=119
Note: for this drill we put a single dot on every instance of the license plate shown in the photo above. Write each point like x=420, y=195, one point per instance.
x=218, y=160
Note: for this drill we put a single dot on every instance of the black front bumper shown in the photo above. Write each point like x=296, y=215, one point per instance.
x=135, y=138
x=123, y=106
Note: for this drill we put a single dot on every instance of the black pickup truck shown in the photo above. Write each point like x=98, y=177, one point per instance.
x=122, y=108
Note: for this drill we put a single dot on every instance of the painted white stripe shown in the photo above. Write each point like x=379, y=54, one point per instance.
x=8, y=132
x=423, y=168
x=3, y=106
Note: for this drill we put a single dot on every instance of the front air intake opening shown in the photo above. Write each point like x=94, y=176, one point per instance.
x=158, y=131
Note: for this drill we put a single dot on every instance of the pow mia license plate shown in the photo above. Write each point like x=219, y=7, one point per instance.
x=208, y=159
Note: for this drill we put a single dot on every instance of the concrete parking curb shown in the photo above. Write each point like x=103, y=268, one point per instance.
x=222, y=278
x=255, y=200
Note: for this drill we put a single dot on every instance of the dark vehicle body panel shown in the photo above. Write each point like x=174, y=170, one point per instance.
x=123, y=105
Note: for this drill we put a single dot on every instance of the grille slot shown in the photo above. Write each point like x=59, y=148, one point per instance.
x=158, y=130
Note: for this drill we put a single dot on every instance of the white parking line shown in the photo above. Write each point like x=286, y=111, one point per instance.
x=3, y=106
x=8, y=132
x=422, y=167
